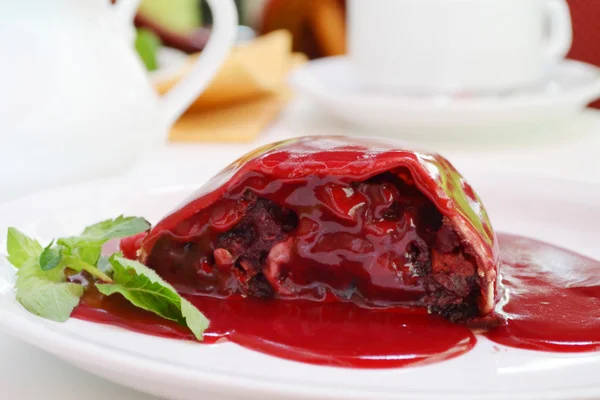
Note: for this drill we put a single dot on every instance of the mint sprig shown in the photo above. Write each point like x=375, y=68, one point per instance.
x=42, y=287
x=82, y=252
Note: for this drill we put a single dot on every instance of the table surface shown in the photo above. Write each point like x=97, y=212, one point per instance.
x=28, y=373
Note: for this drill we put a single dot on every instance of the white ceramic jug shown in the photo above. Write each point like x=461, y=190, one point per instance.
x=75, y=100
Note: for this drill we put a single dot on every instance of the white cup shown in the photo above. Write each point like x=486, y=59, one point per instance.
x=450, y=46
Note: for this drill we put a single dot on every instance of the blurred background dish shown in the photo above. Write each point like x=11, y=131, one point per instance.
x=542, y=108
x=456, y=46
x=318, y=29
x=247, y=93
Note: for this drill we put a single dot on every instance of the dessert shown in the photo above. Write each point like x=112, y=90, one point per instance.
x=333, y=219
x=325, y=250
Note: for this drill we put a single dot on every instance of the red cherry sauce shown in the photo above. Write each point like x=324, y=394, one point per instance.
x=550, y=301
x=550, y=298
x=337, y=334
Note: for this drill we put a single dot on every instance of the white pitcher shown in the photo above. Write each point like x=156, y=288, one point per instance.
x=75, y=100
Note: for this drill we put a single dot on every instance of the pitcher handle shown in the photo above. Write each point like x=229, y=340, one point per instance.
x=222, y=39
x=125, y=10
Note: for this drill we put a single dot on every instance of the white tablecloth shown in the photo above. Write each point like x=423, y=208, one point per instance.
x=27, y=373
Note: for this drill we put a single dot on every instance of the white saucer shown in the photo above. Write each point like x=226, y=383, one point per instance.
x=332, y=82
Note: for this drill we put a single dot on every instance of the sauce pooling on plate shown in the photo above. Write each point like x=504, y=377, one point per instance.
x=550, y=298
x=550, y=301
x=340, y=334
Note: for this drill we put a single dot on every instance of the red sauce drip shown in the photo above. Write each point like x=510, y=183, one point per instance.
x=551, y=298
x=340, y=334
x=553, y=305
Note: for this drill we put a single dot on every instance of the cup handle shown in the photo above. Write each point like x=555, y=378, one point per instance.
x=222, y=38
x=560, y=30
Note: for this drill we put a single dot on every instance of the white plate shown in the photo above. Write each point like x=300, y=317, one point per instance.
x=559, y=212
x=565, y=90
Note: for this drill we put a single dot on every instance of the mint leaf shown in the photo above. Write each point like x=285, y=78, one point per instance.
x=194, y=319
x=104, y=265
x=79, y=265
x=45, y=293
x=117, y=228
x=50, y=257
x=88, y=245
x=145, y=289
x=89, y=253
x=21, y=247
x=43, y=290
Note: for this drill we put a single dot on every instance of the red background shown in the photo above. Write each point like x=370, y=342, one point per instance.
x=586, y=32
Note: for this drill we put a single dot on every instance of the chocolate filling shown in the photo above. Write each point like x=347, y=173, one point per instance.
x=251, y=240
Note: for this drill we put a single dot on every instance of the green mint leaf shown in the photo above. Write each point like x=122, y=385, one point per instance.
x=88, y=245
x=41, y=285
x=45, y=293
x=88, y=253
x=194, y=319
x=104, y=265
x=145, y=289
x=51, y=257
x=117, y=228
x=21, y=247
x=79, y=265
